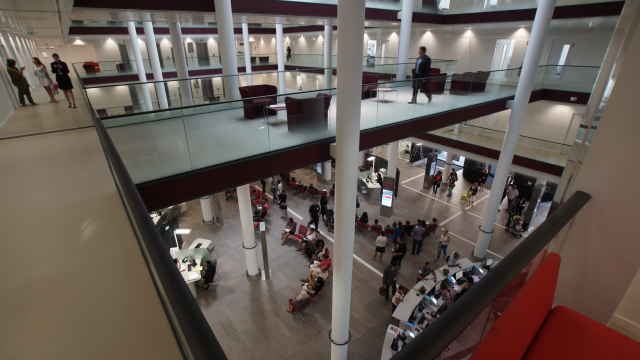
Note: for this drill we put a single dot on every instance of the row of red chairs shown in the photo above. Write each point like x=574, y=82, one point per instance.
x=310, y=192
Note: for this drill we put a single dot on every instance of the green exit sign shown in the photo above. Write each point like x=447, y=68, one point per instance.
x=30, y=33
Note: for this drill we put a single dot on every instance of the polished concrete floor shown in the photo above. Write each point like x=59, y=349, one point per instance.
x=74, y=282
x=249, y=317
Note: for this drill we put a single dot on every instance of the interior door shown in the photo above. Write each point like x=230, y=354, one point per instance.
x=560, y=55
x=502, y=57
x=203, y=54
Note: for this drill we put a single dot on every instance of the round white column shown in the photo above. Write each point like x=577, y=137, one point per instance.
x=328, y=56
x=523, y=91
x=131, y=55
x=392, y=159
x=327, y=171
x=207, y=215
x=351, y=23
x=142, y=76
x=7, y=46
x=246, y=223
x=224, y=17
x=247, y=52
x=154, y=59
x=181, y=62
x=447, y=164
x=403, y=42
x=280, y=55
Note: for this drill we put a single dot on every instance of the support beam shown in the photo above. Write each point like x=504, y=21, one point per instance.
x=328, y=55
x=351, y=23
x=280, y=55
x=142, y=76
x=521, y=100
x=181, y=63
x=154, y=59
x=403, y=42
x=247, y=52
x=246, y=224
x=224, y=17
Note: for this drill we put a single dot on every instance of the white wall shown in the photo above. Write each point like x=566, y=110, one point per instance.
x=600, y=250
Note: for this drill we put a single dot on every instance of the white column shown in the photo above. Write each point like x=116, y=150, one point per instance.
x=155, y=64
x=447, y=164
x=35, y=48
x=280, y=53
x=27, y=51
x=246, y=223
x=523, y=91
x=247, y=52
x=392, y=159
x=142, y=76
x=403, y=42
x=328, y=56
x=351, y=23
x=492, y=118
x=224, y=17
x=28, y=63
x=207, y=215
x=327, y=171
x=181, y=63
x=17, y=51
x=7, y=46
x=132, y=56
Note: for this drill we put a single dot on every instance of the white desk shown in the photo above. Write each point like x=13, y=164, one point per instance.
x=374, y=189
x=190, y=277
x=206, y=244
x=412, y=299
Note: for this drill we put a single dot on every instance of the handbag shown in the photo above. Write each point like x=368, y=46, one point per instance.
x=382, y=291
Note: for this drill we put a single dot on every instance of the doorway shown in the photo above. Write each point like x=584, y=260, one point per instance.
x=502, y=57
x=560, y=54
x=203, y=54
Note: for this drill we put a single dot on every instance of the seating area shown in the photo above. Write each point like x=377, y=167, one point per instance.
x=437, y=83
x=308, y=114
x=255, y=107
x=369, y=86
x=469, y=82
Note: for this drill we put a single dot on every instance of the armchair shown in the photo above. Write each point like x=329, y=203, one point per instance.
x=479, y=81
x=309, y=114
x=461, y=84
x=437, y=82
x=369, y=86
x=255, y=106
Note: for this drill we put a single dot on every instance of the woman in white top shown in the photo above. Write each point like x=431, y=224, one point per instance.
x=381, y=242
x=44, y=78
x=398, y=297
x=443, y=243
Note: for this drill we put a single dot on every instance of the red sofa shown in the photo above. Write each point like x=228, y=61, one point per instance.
x=308, y=114
x=369, y=86
x=479, y=81
x=437, y=81
x=530, y=329
x=254, y=107
x=469, y=82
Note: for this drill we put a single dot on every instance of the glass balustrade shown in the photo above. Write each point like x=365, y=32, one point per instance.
x=221, y=127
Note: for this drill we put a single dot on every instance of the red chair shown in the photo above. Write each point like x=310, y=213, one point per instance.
x=301, y=189
x=407, y=232
x=293, y=186
x=376, y=229
x=461, y=84
x=254, y=107
x=302, y=232
x=259, y=201
x=322, y=192
x=389, y=232
x=369, y=86
x=332, y=193
x=311, y=192
x=308, y=114
x=479, y=81
x=362, y=225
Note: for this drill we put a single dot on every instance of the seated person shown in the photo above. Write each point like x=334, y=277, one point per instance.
x=364, y=218
x=300, y=301
x=468, y=285
x=313, y=282
x=312, y=249
x=408, y=226
x=310, y=237
x=388, y=227
x=431, y=228
x=288, y=230
x=254, y=195
x=376, y=223
x=517, y=224
x=320, y=249
x=230, y=193
x=312, y=188
x=323, y=273
x=454, y=259
x=207, y=275
x=325, y=263
x=259, y=215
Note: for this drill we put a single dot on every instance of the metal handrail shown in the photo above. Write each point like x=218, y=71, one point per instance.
x=191, y=330
x=431, y=342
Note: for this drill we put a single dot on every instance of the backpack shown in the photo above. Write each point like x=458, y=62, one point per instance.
x=319, y=284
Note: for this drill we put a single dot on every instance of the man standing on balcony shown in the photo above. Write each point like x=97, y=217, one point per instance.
x=421, y=71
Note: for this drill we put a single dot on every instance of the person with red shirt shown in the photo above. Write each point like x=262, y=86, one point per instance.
x=324, y=265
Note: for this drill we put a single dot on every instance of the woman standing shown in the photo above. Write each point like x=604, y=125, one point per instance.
x=437, y=180
x=443, y=243
x=19, y=81
x=483, y=179
x=45, y=79
x=398, y=297
x=473, y=191
x=61, y=70
x=323, y=207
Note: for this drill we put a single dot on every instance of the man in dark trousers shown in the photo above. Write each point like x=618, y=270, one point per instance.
x=389, y=278
x=314, y=214
x=423, y=64
x=207, y=275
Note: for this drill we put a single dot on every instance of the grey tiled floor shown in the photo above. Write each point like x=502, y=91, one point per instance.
x=249, y=317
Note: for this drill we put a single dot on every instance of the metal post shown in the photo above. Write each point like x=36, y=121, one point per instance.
x=181, y=62
x=403, y=42
x=246, y=223
x=142, y=76
x=280, y=54
x=328, y=56
x=247, y=52
x=523, y=91
x=154, y=59
x=265, y=253
x=224, y=17
x=351, y=22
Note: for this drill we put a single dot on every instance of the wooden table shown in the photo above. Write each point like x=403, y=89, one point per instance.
x=384, y=91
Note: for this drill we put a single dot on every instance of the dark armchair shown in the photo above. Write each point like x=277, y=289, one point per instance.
x=479, y=81
x=461, y=84
x=256, y=106
x=369, y=86
x=437, y=81
x=309, y=114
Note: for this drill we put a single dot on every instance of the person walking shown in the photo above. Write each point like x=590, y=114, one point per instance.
x=18, y=80
x=473, y=191
x=323, y=207
x=453, y=177
x=421, y=71
x=511, y=212
x=418, y=237
x=443, y=243
x=314, y=214
x=61, y=70
x=437, y=180
x=264, y=184
x=288, y=53
x=381, y=243
x=274, y=188
x=44, y=78
x=512, y=193
x=389, y=278
x=483, y=179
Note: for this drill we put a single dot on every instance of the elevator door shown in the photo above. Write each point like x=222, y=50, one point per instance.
x=203, y=54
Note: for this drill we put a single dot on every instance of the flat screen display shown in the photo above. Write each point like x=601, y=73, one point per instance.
x=432, y=169
x=319, y=168
x=387, y=197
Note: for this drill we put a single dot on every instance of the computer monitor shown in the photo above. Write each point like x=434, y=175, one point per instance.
x=458, y=275
x=434, y=301
x=489, y=262
x=415, y=313
x=436, y=289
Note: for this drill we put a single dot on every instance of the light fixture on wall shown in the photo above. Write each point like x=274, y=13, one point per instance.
x=251, y=39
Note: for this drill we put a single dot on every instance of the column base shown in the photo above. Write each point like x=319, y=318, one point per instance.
x=473, y=256
x=256, y=276
x=207, y=222
x=344, y=343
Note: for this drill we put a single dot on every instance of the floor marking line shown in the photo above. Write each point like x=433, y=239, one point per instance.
x=429, y=196
x=472, y=243
x=477, y=202
x=451, y=218
x=415, y=177
x=354, y=255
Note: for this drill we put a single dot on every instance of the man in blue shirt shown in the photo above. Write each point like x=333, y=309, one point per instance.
x=398, y=232
x=423, y=64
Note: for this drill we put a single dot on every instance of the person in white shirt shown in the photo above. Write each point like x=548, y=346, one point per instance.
x=511, y=194
x=453, y=259
x=279, y=188
x=381, y=243
x=398, y=297
x=274, y=188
